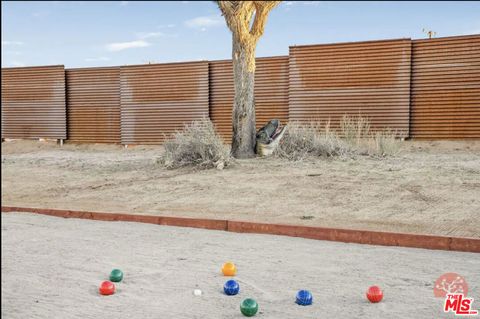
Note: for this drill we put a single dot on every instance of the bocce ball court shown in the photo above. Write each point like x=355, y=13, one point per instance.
x=163, y=265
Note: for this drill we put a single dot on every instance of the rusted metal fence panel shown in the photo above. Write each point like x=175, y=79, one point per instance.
x=445, y=97
x=271, y=93
x=426, y=88
x=93, y=99
x=33, y=102
x=371, y=79
x=157, y=99
x=221, y=97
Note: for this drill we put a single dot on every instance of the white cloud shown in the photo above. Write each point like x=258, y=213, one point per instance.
x=146, y=35
x=140, y=42
x=119, y=46
x=123, y=3
x=102, y=58
x=205, y=22
x=12, y=43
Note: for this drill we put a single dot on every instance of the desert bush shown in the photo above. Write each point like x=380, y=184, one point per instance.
x=357, y=133
x=386, y=143
x=313, y=139
x=198, y=145
x=302, y=140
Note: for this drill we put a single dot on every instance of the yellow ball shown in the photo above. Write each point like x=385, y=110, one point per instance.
x=229, y=269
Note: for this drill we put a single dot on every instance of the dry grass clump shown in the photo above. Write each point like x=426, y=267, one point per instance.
x=386, y=143
x=197, y=145
x=312, y=139
x=354, y=129
x=302, y=140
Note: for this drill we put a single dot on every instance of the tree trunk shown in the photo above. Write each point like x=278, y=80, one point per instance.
x=243, y=115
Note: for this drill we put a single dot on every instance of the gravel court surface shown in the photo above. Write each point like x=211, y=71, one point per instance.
x=52, y=267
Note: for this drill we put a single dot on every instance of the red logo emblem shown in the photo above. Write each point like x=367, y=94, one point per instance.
x=450, y=283
x=454, y=289
x=459, y=305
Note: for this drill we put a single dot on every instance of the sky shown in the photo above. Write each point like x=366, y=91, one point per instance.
x=110, y=33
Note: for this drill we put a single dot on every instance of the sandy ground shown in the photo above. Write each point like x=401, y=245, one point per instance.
x=51, y=268
x=430, y=187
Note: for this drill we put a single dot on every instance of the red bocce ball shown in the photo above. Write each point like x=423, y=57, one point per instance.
x=374, y=294
x=107, y=288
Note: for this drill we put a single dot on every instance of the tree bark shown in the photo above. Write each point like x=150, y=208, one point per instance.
x=238, y=15
x=243, y=115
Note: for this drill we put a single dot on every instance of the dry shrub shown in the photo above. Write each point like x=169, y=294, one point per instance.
x=386, y=143
x=357, y=133
x=312, y=139
x=302, y=140
x=198, y=145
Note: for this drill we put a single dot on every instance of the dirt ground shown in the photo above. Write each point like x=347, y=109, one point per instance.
x=52, y=267
x=429, y=188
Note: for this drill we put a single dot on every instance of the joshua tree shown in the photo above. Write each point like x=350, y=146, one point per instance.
x=245, y=35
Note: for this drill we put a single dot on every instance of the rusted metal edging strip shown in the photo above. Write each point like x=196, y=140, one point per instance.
x=149, y=219
x=360, y=236
x=319, y=233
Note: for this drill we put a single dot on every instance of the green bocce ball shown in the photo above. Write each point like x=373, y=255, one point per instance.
x=249, y=307
x=116, y=275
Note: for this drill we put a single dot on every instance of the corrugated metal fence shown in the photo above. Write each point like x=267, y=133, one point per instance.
x=446, y=88
x=328, y=81
x=33, y=102
x=422, y=88
x=93, y=101
x=158, y=99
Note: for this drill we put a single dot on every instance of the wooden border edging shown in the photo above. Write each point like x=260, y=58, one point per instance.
x=319, y=233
